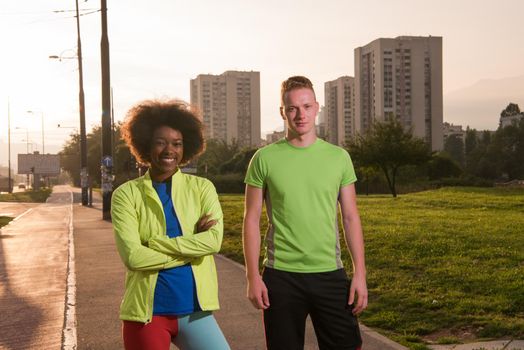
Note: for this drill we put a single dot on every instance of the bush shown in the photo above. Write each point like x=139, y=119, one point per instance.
x=228, y=183
x=39, y=196
x=441, y=166
x=4, y=220
x=465, y=181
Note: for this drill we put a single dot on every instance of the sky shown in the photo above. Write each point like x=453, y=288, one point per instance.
x=157, y=46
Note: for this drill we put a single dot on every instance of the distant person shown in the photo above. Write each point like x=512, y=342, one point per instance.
x=167, y=227
x=302, y=179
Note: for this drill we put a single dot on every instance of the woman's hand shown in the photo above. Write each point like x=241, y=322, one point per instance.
x=205, y=223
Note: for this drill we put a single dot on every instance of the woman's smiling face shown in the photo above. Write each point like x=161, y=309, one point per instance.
x=166, y=153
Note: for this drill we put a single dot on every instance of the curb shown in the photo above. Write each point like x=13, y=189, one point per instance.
x=379, y=338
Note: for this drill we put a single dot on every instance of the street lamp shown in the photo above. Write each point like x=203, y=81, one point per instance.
x=42, y=115
x=107, y=151
x=62, y=57
x=67, y=127
x=30, y=143
x=81, y=104
x=10, y=183
x=26, y=138
x=27, y=148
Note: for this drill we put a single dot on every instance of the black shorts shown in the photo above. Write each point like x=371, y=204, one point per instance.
x=323, y=296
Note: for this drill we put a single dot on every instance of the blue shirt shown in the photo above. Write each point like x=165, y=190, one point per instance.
x=175, y=291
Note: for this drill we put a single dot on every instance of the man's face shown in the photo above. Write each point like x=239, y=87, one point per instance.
x=300, y=110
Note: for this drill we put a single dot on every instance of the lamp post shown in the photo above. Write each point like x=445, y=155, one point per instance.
x=107, y=152
x=83, y=140
x=30, y=143
x=26, y=148
x=81, y=104
x=67, y=127
x=42, y=115
x=10, y=182
x=26, y=138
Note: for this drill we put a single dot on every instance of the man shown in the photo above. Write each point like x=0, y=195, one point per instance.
x=302, y=179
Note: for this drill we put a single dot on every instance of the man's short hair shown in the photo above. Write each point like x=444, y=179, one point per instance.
x=292, y=83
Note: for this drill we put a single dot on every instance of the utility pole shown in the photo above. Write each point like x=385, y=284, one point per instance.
x=107, y=152
x=42, y=117
x=10, y=188
x=113, y=127
x=81, y=103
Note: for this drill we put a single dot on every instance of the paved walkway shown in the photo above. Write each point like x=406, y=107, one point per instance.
x=100, y=282
x=33, y=270
x=34, y=249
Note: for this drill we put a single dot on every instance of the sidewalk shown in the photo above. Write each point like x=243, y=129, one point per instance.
x=34, y=252
x=33, y=270
x=242, y=323
x=100, y=282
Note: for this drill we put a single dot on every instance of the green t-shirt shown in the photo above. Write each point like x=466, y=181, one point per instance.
x=301, y=187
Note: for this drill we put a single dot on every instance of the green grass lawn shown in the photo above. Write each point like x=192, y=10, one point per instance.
x=39, y=196
x=443, y=266
x=4, y=220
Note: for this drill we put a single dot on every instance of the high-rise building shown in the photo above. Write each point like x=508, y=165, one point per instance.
x=453, y=130
x=339, y=113
x=275, y=136
x=321, y=123
x=511, y=119
x=230, y=105
x=401, y=78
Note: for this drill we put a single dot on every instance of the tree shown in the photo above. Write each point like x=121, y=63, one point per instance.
x=442, y=166
x=70, y=158
x=454, y=146
x=124, y=164
x=366, y=174
x=470, y=142
x=94, y=153
x=496, y=155
x=239, y=163
x=389, y=147
x=511, y=109
x=506, y=150
x=218, y=152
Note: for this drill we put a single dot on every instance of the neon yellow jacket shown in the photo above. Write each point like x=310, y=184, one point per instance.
x=139, y=225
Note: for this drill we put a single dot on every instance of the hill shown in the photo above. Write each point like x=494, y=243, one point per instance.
x=480, y=104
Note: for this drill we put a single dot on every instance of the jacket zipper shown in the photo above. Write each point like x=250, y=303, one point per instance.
x=150, y=290
x=150, y=306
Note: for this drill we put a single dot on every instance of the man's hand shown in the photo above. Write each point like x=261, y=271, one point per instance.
x=205, y=223
x=358, y=287
x=257, y=292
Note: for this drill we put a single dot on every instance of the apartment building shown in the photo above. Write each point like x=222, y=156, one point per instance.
x=275, y=136
x=339, y=110
x=321, y=123
x=401, y=78
x=453, y=130
x=230, y=105
x=510, y=120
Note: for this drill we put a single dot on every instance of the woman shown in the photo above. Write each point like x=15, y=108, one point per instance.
x=167, y=227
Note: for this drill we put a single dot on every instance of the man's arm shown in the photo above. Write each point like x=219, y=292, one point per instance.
x=256, y=289
x=355, y=243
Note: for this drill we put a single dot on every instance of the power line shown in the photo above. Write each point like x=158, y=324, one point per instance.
x=43, y=12
x=44, y=15
x=81, y=14
x=80, y=10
